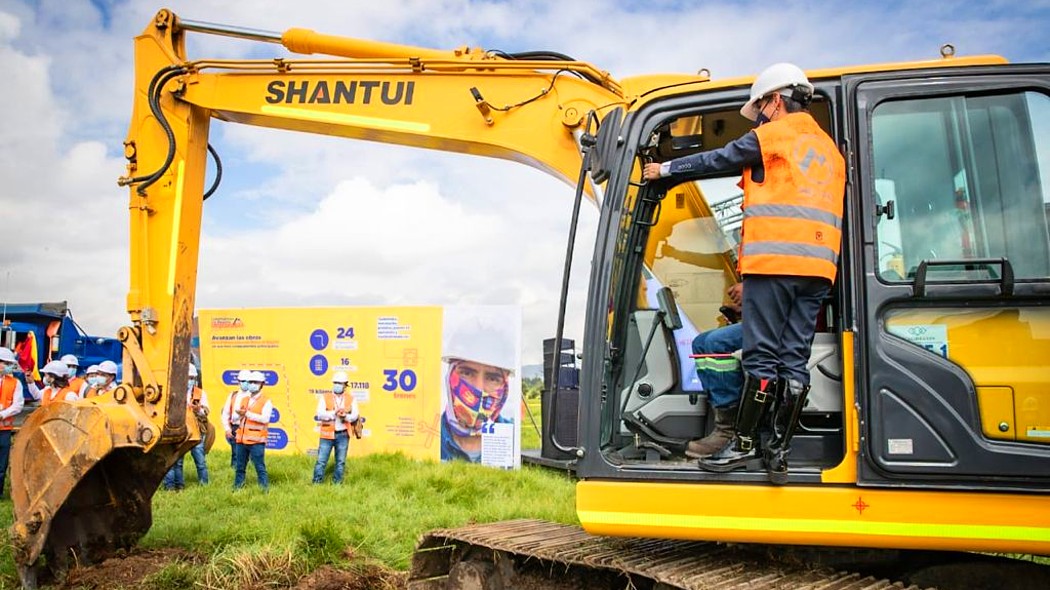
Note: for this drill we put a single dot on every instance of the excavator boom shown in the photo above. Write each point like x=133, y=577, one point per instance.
x=84, y=473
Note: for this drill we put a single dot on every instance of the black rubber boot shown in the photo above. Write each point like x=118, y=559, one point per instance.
x=785, y=422
x=742, y=452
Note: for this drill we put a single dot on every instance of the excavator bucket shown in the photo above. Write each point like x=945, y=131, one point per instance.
x=83, y=478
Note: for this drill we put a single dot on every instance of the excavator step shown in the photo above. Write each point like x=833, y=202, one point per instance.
x=539, y=554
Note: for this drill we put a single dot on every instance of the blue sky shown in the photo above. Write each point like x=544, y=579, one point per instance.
x=454, y=229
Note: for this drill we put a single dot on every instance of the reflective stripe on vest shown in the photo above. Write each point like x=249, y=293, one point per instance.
x=328, y=428
x=252, y=432
x=7, y=397
x=793, y=218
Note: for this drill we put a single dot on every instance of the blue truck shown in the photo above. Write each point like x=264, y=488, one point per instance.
x=56, y=334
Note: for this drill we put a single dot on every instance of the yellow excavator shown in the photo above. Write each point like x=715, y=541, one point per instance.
x=928, y=423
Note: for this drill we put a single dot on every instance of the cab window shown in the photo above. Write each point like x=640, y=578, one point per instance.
x=961, y=178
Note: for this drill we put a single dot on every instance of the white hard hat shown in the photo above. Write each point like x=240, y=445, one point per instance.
x=340, y=377
x=91, y=370
x=257, y=376
x=107, y=367
x=70, y=360
x=7, y=356
x=193, y=370
x=244, y=375
x=56, y=368
x=781, y=76
x=481, y=341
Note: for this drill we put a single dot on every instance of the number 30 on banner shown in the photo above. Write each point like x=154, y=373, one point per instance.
x=403, y=380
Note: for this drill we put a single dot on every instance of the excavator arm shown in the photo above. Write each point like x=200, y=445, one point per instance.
x=84, y=474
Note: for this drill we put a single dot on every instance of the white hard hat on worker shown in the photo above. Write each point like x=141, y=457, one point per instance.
x=6, y=356
x=784, y=78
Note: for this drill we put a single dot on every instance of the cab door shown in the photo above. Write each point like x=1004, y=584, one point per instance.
x=952, y=171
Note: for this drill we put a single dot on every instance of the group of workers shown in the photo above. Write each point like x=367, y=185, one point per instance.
x=793, y=181
x=246, y=415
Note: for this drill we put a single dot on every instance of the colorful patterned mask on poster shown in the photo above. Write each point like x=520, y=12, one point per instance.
x=470, y=406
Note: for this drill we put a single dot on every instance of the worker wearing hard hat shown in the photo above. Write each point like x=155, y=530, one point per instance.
x=794, y=182
x=75, y=383
x=229, y=407
x=89, y=376
x=253, y=415
x=10, y=406
x=479, y=364
x=336, y=413
x=103, y=380
x=196, y=406
x=56, y=385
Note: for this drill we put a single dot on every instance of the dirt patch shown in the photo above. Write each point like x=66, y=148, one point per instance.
x=366, y=577
x=127, y=571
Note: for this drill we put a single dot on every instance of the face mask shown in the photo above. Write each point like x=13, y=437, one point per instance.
x=94, y=380
x=762, y=119
x=338, y=388
x=7, y=369
x=190, y=383
x=469, y=407
x=244, y=386
x=254, y=387
x=49, y=380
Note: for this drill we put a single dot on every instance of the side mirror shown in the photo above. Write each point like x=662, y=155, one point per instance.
x=668, y=308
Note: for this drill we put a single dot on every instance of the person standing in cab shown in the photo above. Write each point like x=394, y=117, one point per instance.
x=794, y=181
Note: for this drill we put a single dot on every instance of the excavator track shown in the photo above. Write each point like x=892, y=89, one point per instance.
x=526, y=554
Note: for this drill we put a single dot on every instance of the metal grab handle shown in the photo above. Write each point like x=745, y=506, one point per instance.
x=1006, y=278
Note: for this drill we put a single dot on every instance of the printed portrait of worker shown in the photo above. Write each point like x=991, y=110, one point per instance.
x=481, y=389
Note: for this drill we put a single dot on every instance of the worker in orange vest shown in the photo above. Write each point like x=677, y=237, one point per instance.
x=10, y=406
x=56, y=385
x=103, y=380
x=197, y=407
x=253, y=417
x=229, y=407
x=89, y=379
x=336, y=412
x=794, y=181
x=75, y=383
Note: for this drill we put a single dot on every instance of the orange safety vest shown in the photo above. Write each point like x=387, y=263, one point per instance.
x=793, y=218
x=252, y=432
x=195, y=397
x=52, y=394
x=230, y=408
x=95, y=391
x=7, y=397
x=328, y=428
x=77, y=383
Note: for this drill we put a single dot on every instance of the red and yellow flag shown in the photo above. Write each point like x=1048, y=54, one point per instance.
x=28, y=356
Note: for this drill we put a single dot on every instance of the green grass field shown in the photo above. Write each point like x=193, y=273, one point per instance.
x=251, y=539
